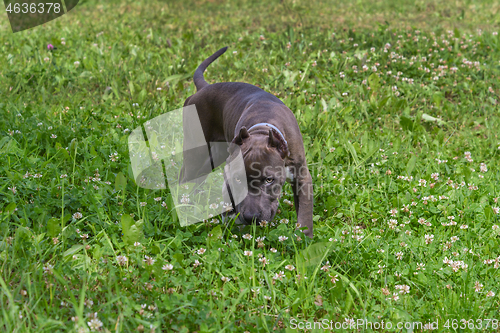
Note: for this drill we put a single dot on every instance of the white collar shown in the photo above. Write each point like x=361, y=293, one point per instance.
x=273, y=127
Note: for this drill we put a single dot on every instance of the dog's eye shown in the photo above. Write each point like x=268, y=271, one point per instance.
x=269, y=180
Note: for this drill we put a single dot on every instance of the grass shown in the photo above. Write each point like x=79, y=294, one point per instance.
x=400, y=124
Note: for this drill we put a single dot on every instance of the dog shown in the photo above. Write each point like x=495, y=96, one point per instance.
x=261, y=128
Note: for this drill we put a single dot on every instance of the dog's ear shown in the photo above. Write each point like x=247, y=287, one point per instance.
x=280, y=145
x=241, y=136
x=273, y=142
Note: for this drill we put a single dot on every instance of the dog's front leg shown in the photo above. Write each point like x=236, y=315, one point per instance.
x=303, y=199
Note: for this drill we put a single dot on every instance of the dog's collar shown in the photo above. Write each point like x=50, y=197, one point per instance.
x=273, y=127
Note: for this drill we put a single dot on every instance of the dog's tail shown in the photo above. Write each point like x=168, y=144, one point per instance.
x=199, y=80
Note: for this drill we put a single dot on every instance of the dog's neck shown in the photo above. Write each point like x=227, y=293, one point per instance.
x=273, y=127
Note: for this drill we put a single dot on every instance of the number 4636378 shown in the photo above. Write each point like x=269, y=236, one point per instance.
x=33, y=8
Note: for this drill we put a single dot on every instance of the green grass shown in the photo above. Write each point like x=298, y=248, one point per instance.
x=375, y=139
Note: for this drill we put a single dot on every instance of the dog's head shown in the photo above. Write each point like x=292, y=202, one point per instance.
x=263, y=171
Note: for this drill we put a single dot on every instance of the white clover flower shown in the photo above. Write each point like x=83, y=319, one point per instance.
x=122, y=260
x=148, y=260
x=279, y=276
x=403, y=289
x=167, y=267
x=429, y=239
x=77, y=215
x=95, y=324
x=47, y=269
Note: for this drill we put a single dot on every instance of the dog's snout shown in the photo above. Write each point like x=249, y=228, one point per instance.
x=251, y=217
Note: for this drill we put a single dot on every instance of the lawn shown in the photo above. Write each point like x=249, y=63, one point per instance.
x=398, y=104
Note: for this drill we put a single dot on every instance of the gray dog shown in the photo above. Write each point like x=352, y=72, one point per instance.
x=265, y=132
